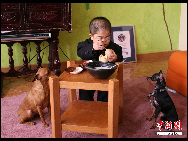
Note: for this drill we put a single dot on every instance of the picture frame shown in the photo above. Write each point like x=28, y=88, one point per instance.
x=124, y=36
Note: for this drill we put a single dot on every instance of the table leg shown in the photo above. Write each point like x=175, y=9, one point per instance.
x=72, y=95
x=38, y=50
x=120, y=73
x=70, y=63
x=26, y=69
x=113, y=108
x=55, y=107
x=12, y=72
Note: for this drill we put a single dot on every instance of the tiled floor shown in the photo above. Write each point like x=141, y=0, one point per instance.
x=147, y=64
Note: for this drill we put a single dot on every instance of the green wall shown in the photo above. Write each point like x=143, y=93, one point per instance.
x=150, y=30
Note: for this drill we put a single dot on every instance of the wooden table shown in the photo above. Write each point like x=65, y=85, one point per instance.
x=87, y=116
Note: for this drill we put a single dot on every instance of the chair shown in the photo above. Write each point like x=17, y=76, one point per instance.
x=87, y=116
x=176, y=77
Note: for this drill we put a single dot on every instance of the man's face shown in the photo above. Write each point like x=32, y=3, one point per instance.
x=102, y=37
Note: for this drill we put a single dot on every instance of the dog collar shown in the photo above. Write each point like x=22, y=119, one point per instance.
x=161, y=90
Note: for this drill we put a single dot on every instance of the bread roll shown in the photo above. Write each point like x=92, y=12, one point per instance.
x=103, y=58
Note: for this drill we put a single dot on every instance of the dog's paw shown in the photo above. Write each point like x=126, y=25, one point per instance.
x=33, y=123
x=149, y=118
x=29, y=123
x=45, y=125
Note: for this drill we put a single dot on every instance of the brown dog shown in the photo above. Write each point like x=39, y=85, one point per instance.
x=37, y=99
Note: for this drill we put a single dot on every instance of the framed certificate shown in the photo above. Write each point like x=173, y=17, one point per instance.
x=124, y=36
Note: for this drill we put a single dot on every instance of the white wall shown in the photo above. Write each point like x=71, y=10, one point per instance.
x=183, y=27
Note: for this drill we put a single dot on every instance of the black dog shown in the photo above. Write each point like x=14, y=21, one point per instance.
x=162, y=102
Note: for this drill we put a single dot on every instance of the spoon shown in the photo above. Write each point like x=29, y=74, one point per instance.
x=117, y=64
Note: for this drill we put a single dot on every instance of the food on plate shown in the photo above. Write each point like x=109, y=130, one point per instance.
x=70, y=69
x=77, y=70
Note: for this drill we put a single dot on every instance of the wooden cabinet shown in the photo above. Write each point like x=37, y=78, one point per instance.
x=28, y=18
x=35, y=17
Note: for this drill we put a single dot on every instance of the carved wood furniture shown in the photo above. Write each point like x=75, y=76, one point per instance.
x=23, y=22
x=87, y=116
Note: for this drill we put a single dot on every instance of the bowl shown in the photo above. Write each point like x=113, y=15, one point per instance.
x=100, y=70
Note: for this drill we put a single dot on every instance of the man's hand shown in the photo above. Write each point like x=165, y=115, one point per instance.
x=112, y=57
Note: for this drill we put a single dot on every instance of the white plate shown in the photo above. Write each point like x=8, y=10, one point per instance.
x=77, y=70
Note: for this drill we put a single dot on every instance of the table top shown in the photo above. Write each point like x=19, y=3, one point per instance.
x=85, y=77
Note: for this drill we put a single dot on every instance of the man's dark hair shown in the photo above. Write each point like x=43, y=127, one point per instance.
x=99, y=23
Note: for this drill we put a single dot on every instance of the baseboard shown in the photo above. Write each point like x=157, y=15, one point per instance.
x=155, y=56
x=19, y=68
x=34, y=66
x=152, y=57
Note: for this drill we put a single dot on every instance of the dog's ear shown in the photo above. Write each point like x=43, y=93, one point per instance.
x=38, y=74
x=161, y=75
x=39, y=69
x=47, y=71
x=37, y=77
